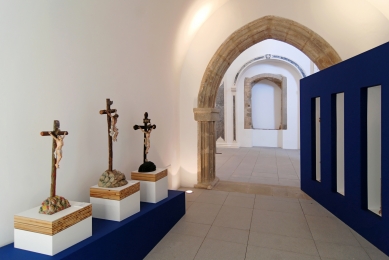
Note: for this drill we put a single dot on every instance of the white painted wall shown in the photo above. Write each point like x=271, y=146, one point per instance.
x=355, y=26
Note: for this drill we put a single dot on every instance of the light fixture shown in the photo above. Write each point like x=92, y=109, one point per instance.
x=189, y=191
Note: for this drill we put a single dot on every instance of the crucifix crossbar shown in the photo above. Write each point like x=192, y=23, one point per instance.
x=57, y=135
x=108, y=111
x=146, y=128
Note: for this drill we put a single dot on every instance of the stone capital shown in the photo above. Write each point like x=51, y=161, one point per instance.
x=206, y=114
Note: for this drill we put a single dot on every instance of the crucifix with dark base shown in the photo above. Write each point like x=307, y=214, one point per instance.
x=146, y=128
x=111, y=178
x=54, y=203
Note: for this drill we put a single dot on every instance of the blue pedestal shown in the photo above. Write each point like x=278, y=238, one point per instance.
x=133, y=238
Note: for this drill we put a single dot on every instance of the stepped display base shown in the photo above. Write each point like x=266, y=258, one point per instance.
x=115, y=203
x=153, y=185
x=132, y=238
x=51, y=234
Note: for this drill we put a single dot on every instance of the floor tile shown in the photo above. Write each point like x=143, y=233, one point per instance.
x=239, y=201
x=191, y=196
x=260, y=189
x=314, y=209
x=188, y=204
x=362, y=241
x=239, y=178
x=232, y=187
x=264, y=174
x=261, y=253
x=190, y=228
x=376, y=254
x=234, y=217
x=271, y=181
x=207, y=197
x=216, y=249
x=285, y=243
x=332, y=230
x=338, y=251
x=277, y=205
x=286, y=199
x=292, y=176
x=229, y=234
x=175, y=246
x=242, y=173
x=280, y=223
x=239, y=194
x=287, y=182
x=296, y=192
x=203, y=213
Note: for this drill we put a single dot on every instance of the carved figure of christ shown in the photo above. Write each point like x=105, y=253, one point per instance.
x=111, y=126
x=56, y=154
x=146, y=128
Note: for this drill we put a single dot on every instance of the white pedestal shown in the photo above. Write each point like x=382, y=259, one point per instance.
x=153, y=185
x=116, y=203
x=38, y=242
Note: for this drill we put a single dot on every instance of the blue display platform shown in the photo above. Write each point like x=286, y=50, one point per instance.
x=133, y=238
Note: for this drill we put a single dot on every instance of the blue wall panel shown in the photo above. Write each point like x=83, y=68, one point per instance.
x=352, y=77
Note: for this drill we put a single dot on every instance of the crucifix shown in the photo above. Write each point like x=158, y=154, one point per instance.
x=54, y=203
x=112, y=129
x=146, y=128
x=111, y=178
x=56, y=154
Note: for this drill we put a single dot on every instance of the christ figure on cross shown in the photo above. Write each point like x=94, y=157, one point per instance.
x=114, y=131
x=58, y=149
x=147, y=134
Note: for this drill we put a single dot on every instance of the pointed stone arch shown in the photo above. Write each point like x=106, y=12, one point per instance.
x=267, y=27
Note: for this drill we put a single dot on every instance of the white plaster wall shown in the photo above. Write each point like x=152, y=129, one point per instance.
x=354, y=26
x=61, y=60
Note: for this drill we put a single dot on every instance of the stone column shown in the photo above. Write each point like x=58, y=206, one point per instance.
x=248, y=85
x=233, y=92
x=206, y=147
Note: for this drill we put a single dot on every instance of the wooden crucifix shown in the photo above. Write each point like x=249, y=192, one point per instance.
x=56, y=152
x=146, y=128
x=112, y=129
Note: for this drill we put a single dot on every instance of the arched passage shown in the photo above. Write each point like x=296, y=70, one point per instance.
x=268, y=27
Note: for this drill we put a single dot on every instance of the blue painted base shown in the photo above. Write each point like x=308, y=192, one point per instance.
x=133, y=238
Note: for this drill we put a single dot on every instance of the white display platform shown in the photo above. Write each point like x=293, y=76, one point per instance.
x=53, y=244
x=113, y=207
x=152, y=188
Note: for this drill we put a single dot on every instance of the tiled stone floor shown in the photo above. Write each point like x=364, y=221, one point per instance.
x=254, y=221
x=264, y=165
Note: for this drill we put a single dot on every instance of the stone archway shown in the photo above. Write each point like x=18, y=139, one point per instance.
x=268, y=27
x=280, y=81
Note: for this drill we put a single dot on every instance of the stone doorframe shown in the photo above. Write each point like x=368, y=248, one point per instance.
x=249, y=83
x=267, y=27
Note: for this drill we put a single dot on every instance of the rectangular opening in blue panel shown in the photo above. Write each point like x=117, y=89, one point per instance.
x=313, y=139
x=340, y=187
x=374, y=149
x=317, y=140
